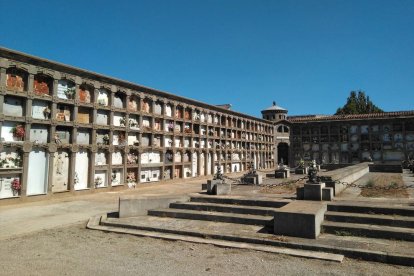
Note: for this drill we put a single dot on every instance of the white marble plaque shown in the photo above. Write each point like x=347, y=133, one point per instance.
x=118, y=118
x=39, y=134
x=194, y=164
x=177, y=157
x=6, y=190
x=102, y=117
x=132, y=139
x=144, y=177
x=100, y=158
x=62, y=135
x=13, y=106
x=145, y=140
x=81, y=170
x=38, y=108
x=117, y=158
x=187, y=171
x=117, y=177
x=103, y=97
x=37, y=172
x=118, y=102
x=168, y=110
x=63, y=86
x=100, y=179
x=60, y=171
x=83, y=137
x=146, y=122
x=158, y=108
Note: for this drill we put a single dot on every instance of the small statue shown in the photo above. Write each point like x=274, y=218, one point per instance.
x=57, y=139
x=313, y=173
x=219, y=174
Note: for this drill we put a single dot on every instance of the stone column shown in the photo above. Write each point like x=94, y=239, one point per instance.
x=51, y=151
x=25, y=166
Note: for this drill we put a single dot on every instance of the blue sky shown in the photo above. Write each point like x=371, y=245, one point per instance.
x=306, y=55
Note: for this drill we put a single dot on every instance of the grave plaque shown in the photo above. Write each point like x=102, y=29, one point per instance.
x=6, y=186
x=39, y=134
x=116, y=158
x=60, y=171
x=13, y=106
x=38, y=110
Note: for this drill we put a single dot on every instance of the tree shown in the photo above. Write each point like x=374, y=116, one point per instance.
x=358, y=104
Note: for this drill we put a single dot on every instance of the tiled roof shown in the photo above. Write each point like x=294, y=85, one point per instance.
x=314, y=118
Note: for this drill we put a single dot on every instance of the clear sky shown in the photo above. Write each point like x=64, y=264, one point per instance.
x=306, y=55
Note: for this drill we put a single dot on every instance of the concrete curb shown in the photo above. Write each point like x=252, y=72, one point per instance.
x=94, y=224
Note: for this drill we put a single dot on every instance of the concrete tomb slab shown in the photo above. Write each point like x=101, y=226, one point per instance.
x=253, y=179
x=282, y=173
x=218, y=187
x=327, y=193
x=313, y=191
x=211, y=184
x=300, y=219
x=301, y=170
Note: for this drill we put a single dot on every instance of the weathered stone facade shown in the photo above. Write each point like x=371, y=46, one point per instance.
x=65, y=129
x=381, y=137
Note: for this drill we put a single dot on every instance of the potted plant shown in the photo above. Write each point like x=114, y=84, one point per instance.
x=122, y=121
x=98, y=181
x=70, y=92
x=132, y=158
x=132, y=123
x=301, y=169
x=18, y=132
x=131, y=180
x=105, y=139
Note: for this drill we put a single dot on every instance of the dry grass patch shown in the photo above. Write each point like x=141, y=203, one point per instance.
x=384, y=185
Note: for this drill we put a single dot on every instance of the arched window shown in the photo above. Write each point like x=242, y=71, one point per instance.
x=283, y=129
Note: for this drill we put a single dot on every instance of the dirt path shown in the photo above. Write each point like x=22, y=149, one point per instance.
x=74, y=250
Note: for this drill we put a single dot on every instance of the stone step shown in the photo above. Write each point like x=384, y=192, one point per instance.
x=366, y=230
x=385, y=210
x=353, y=247
x=213, y=216
x=387, y=220
x=226, y=208
x=241, y=201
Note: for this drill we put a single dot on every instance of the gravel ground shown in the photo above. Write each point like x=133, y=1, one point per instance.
x=74, y=250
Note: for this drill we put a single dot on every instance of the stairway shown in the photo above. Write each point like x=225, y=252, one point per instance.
x=395, y=223
x=242, y=222
x=228, y=210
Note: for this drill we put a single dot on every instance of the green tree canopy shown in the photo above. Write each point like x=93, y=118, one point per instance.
x=358, y=104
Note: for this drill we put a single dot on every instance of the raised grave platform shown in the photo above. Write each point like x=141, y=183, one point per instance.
x=300, y=219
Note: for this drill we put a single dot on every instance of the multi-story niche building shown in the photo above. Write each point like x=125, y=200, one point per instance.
x=64, y=129
x=278, y=115
x=380, y=137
